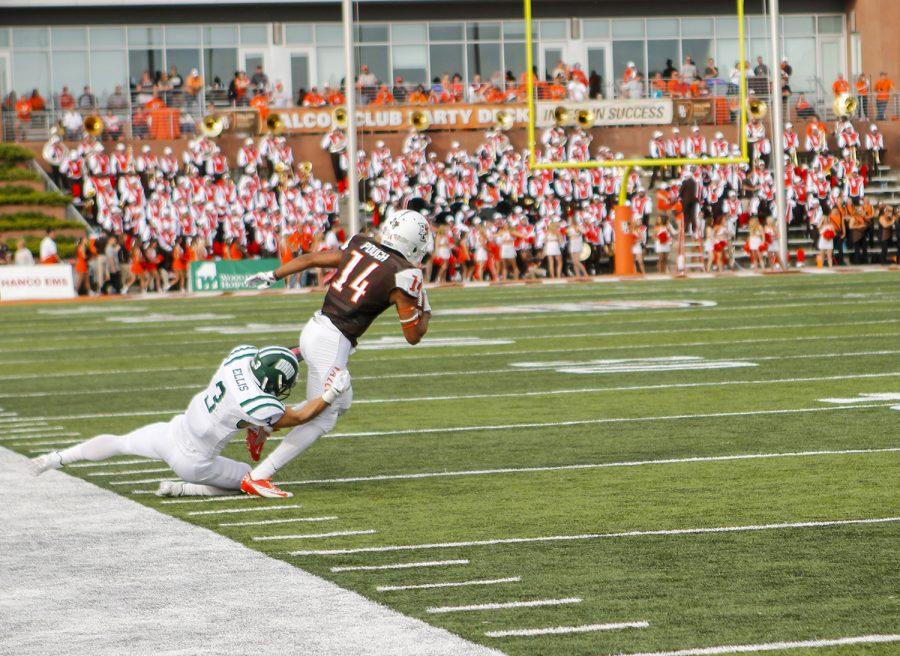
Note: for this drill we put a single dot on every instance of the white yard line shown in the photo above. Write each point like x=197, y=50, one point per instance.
x=775, y=646
x=595, y=536
x=506, y=604
x=21, y=439
x=559, y=630
x=121, y=555
x=228, y=511
x=227, y=497
x=312, y=536
x=145, y=480
x=449, y=584
x=421, y=563
x=35, y=429
x=264, y=522
x=47, y=443
x=110, y=463
x=600, y=465
x=607, y=420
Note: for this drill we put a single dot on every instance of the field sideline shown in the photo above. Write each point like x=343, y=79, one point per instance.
x=590, y=469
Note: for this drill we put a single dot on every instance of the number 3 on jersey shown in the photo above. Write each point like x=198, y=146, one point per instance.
x=220, y=392
x=359, y=284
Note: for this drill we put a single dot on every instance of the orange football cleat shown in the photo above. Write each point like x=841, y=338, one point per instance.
x=263, y=488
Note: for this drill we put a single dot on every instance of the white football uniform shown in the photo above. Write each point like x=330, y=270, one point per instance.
x=190, y=443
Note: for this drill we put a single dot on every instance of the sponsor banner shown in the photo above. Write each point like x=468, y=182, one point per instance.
x=227, y=275
x=39, y=282
x=619, y=111
x=396, y=118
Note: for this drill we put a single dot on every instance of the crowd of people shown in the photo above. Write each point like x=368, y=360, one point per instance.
x=494, y=218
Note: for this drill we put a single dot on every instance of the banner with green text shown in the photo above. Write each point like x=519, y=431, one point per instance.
x=227, y=275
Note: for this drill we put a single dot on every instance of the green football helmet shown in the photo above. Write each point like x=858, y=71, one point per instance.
x=275, y=368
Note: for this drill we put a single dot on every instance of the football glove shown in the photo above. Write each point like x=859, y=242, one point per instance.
x=338, y=383
x=261, y=280
x=256, y=440
x=423, y=301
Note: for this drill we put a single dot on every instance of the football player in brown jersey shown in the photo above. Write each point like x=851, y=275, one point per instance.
x=371, y=276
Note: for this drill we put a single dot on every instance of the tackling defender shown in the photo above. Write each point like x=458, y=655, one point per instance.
x=371, y=277
x=246, y=391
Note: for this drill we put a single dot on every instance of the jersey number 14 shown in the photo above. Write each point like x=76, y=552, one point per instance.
x=359, y=284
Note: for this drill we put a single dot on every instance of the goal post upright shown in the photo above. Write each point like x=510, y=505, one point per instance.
x=624, y=263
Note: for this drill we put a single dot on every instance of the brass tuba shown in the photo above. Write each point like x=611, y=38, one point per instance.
x=93, y=125
x=274, y=123
x=419, y=121
x=845, y=105
x=305, y=168
x=585, y=118
x=339, y=117
x=504, y=120
x=757, y=109
x=212, y=125
x=562, y=116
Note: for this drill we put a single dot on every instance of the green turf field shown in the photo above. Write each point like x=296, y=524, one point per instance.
x=579, y=426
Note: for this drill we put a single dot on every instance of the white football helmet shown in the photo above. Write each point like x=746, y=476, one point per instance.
x=408, y=233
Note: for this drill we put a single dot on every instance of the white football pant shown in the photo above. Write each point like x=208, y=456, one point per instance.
x=323, y=348
x=160, y=441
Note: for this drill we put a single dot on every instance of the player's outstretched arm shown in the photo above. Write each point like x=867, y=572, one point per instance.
x=414, y=314
x=296, y=415
x=324, y=259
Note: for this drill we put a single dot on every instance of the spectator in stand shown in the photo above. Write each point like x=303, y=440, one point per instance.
x=37, y=101
x=669, y=70
x=557, y=89
x=112, y=125
x=578, y=74
x=334, y=97
x=760, y=70
x=234, y=93
x=630, y=73
x=23, y=116
x=192, y=88
x=634, y=89
x=87, y=101
x=457, y=88
x=711, y=71
x=175, y=78
x=675, y=86
x=399, y=90
x=23, y=256
x=384, y=96
x=657, y=86
x=438, y=93
x=576, y=89
x=367, y=83
x=163, y=87
x=280, y=99
x=66, y=100
x=862, y=95
x=259, y=79
x=840, y=85
x=47, y=251
x=117, y=101
x=689, y=70
x=71, y=121
x=156, y=102
x=475, y=93
x=884, y=86
x=144, y=89
x=314, y=99
x=595, y=85
x=418, y=96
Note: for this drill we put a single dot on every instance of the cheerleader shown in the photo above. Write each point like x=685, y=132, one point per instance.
x=754, y=242
x=481, y=239
x=662, y=243
x=639, y=236
x=180, y=263
x=826, y=243
x=720, y=235
x=575, y=246
x=709, y=244
x=136, y=272
x=552, y=250
x=772, y=246
x=442, y=251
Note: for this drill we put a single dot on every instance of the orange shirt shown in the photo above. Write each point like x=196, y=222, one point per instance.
x=23, y=109
x=676, y=88
x=37, y=104
x=557, y=92
x=840, y=86
x=155, y=103
x=313, y=99
x=384, y=97
x=495, y=95
x=862, y=87
x=335, y=98
x=883, y=88
x=417, y=98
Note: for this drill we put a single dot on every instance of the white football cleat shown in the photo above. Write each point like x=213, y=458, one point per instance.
x=170, y=489
x=42, y=463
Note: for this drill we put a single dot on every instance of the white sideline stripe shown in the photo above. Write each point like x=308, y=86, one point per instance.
x=774, y=646
x=25, y=429
x=263, y=522
x=506, y=604
x=422, y=563
x=600, y=465
x=623, y=347
x=241, y=510
x=131, y=471
x=41, y=436
x=110, y=463
x=609, y=420
x=47, y=443
x=449, y=584
x=227, y=497
x=145, y=480
x=595, y=536
x=628, y=388
x=305, y=536
x=107, y=372
x=557, y=630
